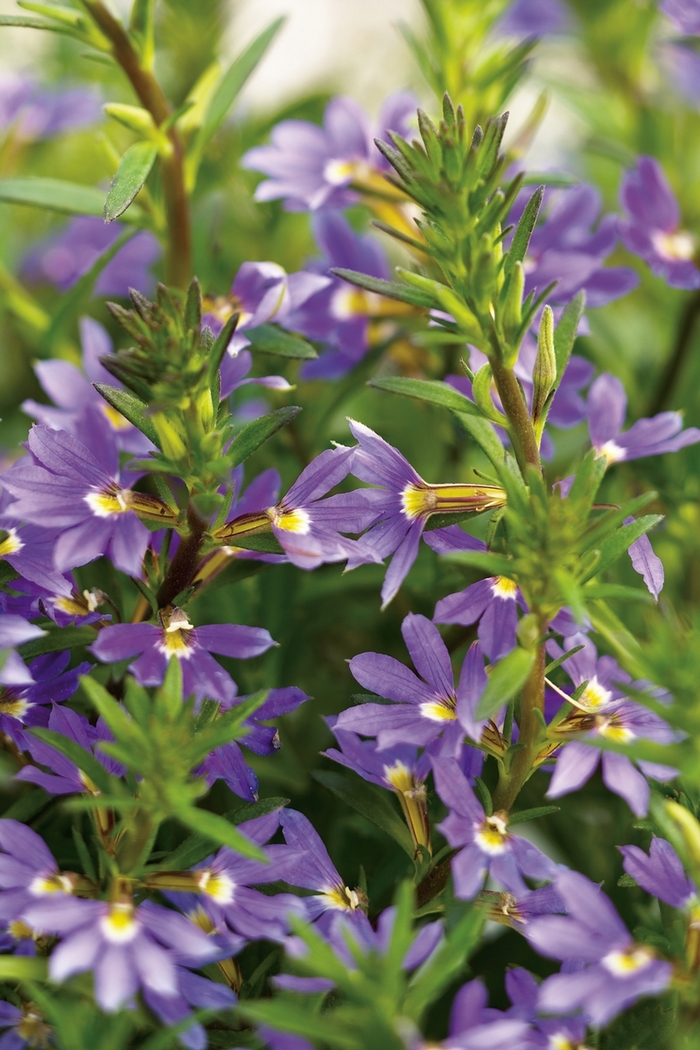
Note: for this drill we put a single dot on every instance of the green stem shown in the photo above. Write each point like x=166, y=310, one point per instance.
x=681, y=347
x=150, y=94
x=515, y=407
x=532, y=702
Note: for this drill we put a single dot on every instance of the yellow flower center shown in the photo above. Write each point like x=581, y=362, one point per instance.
x=20, y=931
x=13, y=705
x=119, y=925
x=439, y=710
x=11, y=543
x=33, y=1029
x=46, y=885
x=345, y=899
x=492, y=835
x=504, y=588
x=680, y=245
x=399, y=776
x=78, y=604
x=297, y=521
x=104, y=504
x=622, y=964
x=613, y=729
x=217, y=886
x=612, y=452
x=339, y=172
x=594, y=696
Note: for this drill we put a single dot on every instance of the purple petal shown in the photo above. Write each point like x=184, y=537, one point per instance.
x=620, y=776
x=607, y=404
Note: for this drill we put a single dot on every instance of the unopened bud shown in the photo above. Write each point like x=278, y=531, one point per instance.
x=133, y=117
x=545, y=374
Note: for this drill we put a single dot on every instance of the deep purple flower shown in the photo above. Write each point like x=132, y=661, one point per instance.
x=338, y=315
x=126, y=946
x=685, y=14
x=227, y=763
x=493, y=603
x=25, y=701
x=14, y=630
x=63, y=258
x=475, y=1026
x=616, y=971
x=35, y=112
x=660, y=872
x=307, y=526
x=534, y=18
x=25, y=1027
x=602, y=713
x=507, y=909
x=607, y=404
x=28, y=873
x=65, y=778
x=404, y=503
x=193, y=991
x=63, y=485
x=488, y=846
x=647, y=563
x=423, y=708
x=547, y=1033
x=63, y=602
x=312, y=167
x=202, y=675
x=651, y=228
x=80, y=410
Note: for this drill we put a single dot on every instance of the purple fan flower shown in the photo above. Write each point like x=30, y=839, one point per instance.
x=338, y=314
x=14, y=630
x=651, y=229
x=227, y=762
x=488, y=846
x=403, y=505
x=507, y=909
x=126, y=946
x=34, y=112
x=474, y=1026
x=309, y=866
x=685, y=14
x=25, y=701
x=646, y=563
x=63, y=603
x=307, y=526
x=615, y=972
x=564, y=248
x=682, y=66
x=534, y=18
x=548, y=1033
x=493, y=602
x=80, y=410
x=607, y=404
x=29, y=550
x=202, y=676
x=312, y=167
x=65, y=778
x=62, y=259
x=660, y=872
x=62, y=484
x=28, y=873
x=423, y=708
x=193, y=991
x=601, y=712
x=25, y=1027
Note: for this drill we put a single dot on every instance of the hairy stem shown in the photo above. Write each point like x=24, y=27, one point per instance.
x=515, y=407
x=185, y=563
x=532, y=702
x=150, y=94
x=681, y=347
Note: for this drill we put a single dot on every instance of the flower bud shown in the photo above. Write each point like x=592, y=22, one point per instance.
x=545, y=373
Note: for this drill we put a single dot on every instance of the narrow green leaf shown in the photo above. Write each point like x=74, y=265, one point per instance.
x=615, y=545
x=531, y=814
x=23, y=968
x=491, y=564
x=405, y=293
x=131, y=407
x=196, y=846
x=297, y=1017
x=430, y=390
x=264, y=542
x=617, y=590
x=254, y=434
x=446, y=963
x=523, y=232
x=220, y=832
x=369, y=800
x=20, y=22
x=27, y=807
x=505, y=680
x=134, y=168
x=565, y=332
x=231, y=83
x=55, y=641
x=78, y=756
x=561, y=659
x=269, y=339
x=124, y=728
x=486, y=438
x=53, y=194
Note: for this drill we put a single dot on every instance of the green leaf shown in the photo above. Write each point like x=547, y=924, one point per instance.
x=523, y=232
x=55, y=641
x=53, y=194
x=264, y=542
x=446, y=963
x=565, y=333
x=369, y=800
x=125, y=730
x=196, y=846
x=134, y=168
x=20, y=22
x=228, y=89
x=531, y=814
x=254, y=434
x=79, y=757
x=486, y=438
x=505, y=680
x=491, y=564
x=615, y=545
x=298, y=1017
x=432, y=391
x=220, y=832
x=131, y=407
x=269, y=339
x=405, y=293
x=23, y=968
x=561, y=659
x=617, y=590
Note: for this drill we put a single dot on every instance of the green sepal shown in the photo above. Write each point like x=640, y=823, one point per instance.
x=269, y=339
x=404, y=293
x=560, y=660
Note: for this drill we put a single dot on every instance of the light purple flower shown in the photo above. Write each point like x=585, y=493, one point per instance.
x=423, y=708
x=547, y=1033
x=312, y=167
x=646, y=563
x=607, y=405
x=28, y=872
x=36, y=112
x=493, y=603
x=534, y=18
x=25, y=700
x=126, y=946
x=202, y=675
x=63, y=258
x=15, y=630
x=487, y=845
x=682, y=65
x=63, y=485
x=475, y=1026
x=404, y=503
x=25, y=1027
x=685, y=14
x=65, y=778
x=615, y=972
x=193, y=991
x=80, y=410
x=652, y=226
x=659, y=872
